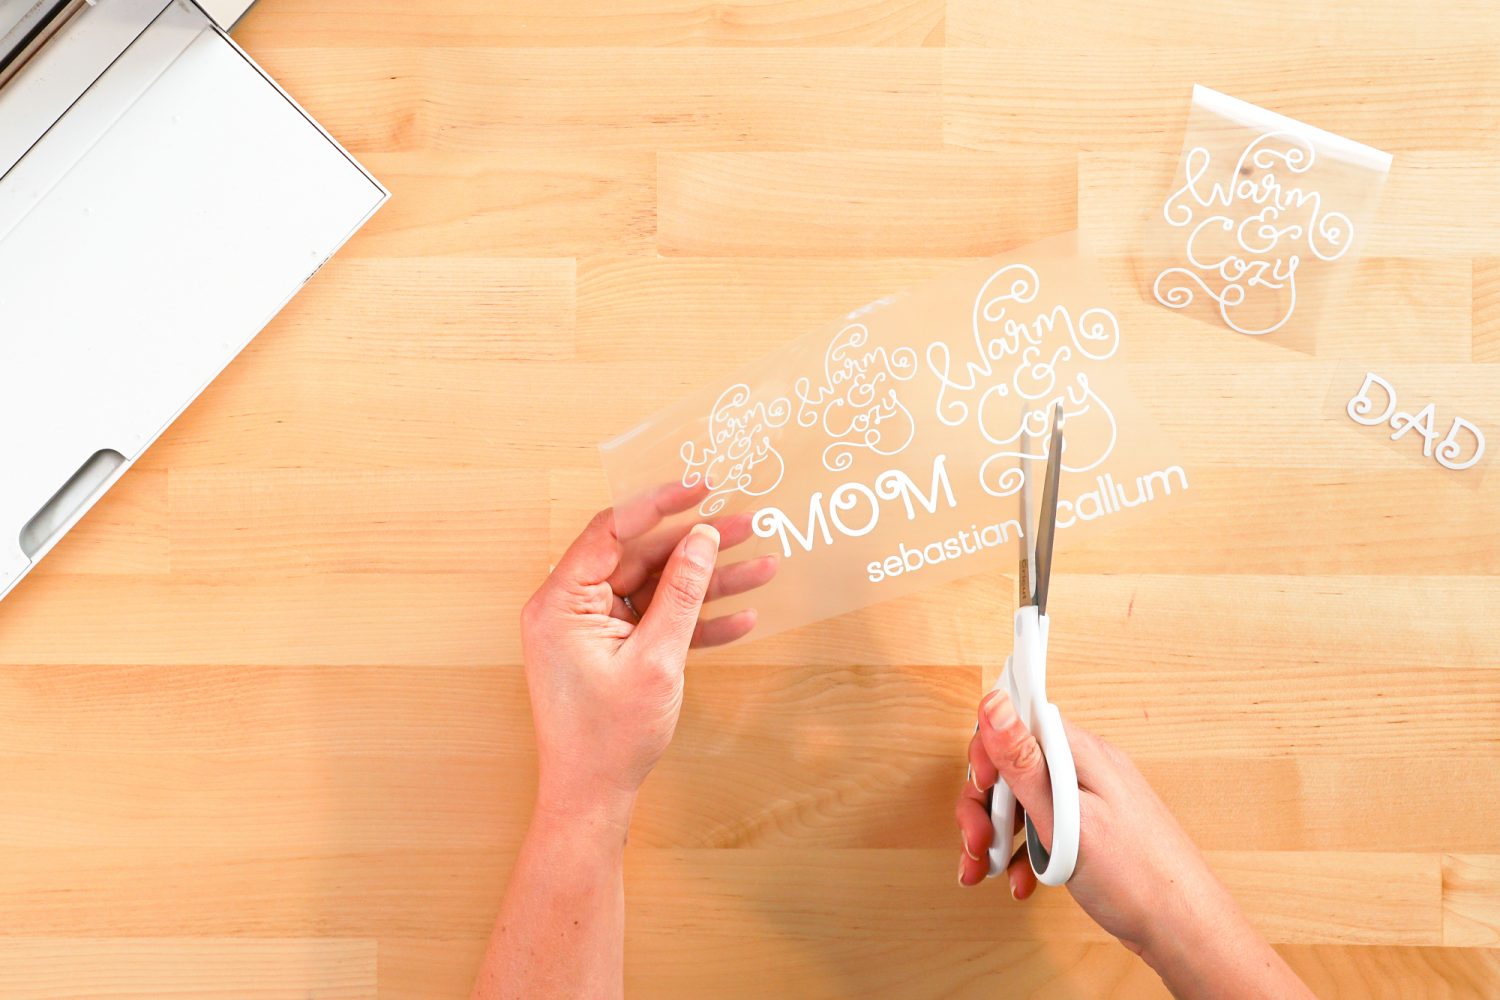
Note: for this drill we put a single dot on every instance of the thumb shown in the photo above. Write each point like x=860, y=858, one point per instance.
x=668, y=624
x=1018, y=757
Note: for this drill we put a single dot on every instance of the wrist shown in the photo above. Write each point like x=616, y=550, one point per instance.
x=600, y=813
x=1198, y=941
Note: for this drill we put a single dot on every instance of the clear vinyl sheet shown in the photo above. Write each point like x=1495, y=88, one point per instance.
x=1261, y=226
x=885, y=453
x=1425, y=417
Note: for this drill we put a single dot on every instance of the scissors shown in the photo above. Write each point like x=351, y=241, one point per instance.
x=1025, y=680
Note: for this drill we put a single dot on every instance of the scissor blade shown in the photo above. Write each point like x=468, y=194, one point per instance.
x=1047, y=522
x=1026, y=575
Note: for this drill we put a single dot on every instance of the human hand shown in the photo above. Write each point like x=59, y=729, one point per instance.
x=1139, y=875
x=606, y=688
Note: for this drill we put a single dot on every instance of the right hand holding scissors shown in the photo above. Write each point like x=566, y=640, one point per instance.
x=1139, y=875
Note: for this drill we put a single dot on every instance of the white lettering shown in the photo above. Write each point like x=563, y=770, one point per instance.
x=894, y=484
x=1361, y=409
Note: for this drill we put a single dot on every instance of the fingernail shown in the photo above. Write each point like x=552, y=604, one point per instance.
x=974, y=781
x=961, y=875
x=702, y=544
x=1000, y=711
x=1012, y=881
x=972, y=856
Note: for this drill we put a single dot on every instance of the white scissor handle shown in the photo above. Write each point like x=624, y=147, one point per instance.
x=1024, y=679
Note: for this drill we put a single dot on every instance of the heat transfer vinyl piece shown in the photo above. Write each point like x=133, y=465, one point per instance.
x=1421, y=417
x=885, y=453
x=1262, y=221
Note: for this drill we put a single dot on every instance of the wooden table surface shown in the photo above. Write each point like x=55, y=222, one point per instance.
x=263, y=731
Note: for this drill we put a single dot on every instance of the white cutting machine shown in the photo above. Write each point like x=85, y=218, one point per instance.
x=161, y=199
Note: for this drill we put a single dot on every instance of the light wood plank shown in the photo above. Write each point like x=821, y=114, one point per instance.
x=297, y=713
x=1401, y=99
x=421, y=309
x=1434, y=202
x=1316, y=710
x=888, y=743
x=734, y=309
x=927, y=970
x=427, y=619
x=381, y=23
x=1393, y=311
x=1389, y=522
x=952, y=203
x=1471, y=896
x=833, y=970
x=913, y=896
x=1395, y=973
x=526, y=203
x=1135, y=622
x=231, y=892
x=1236, y=32
x=372, y=413
x=728, y=310
x=493, y=100
x=167, y=968
x=1485, y=314
x=273, y=805
x=418, y=968
x=1203, y=408
x=465, y=521
x=126, y=531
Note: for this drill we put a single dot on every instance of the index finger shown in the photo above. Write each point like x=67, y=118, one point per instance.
x=593, y=555
x=1096, y=764
x=646, y=510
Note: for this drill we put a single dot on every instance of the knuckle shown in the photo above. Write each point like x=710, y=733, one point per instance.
x=1090, y=826
x=531, y=612
x=688, y=584
x=1026, y=755
x=1093, y=819
x=656, y=663
x=1114, y=753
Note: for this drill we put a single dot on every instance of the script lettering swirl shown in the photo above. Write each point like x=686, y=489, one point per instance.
x=1249, y=230
x=740, y=456
x=855, y=402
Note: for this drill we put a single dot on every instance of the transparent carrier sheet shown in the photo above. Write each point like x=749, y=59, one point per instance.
x=1261, y=226
x=1418, y=416
x=886, y=452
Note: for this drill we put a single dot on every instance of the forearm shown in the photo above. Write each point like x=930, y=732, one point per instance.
x=1215, y=953
x=562, y=926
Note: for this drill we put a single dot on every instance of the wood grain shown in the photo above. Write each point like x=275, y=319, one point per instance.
x=1238, y=30
x=773, y=301
x=1435, y=204
x=169, y=968
x=859, y=204
x=1404, y=99
x=1485, y=306
x=490, y=100
x=264, y=730
x=555, y=23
